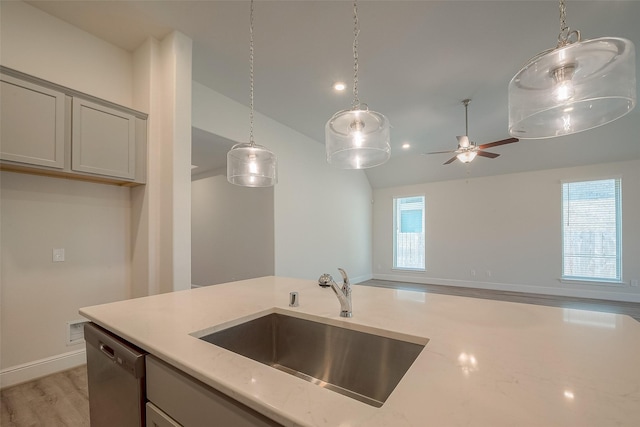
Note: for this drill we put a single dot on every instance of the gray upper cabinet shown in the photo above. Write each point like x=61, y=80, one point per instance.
x=104, y=140
x=32, y=123
x=53, y=130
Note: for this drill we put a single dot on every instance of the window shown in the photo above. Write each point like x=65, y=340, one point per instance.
x=408, y=236
x=591, y=230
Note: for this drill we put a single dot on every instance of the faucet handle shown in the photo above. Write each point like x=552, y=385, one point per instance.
x=345, y=278
x=325, y=280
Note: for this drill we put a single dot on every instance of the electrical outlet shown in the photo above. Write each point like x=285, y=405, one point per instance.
x=58, y=255
x=634, y=283
x=472, y=272
x=488, y=273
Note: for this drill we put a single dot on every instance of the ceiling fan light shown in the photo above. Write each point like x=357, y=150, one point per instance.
x=251, y=165
x=357, y=139
x=467, y=156
x=573, y=88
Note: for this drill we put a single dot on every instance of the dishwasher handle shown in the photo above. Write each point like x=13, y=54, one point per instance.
x=107, y=351
x=120, y=352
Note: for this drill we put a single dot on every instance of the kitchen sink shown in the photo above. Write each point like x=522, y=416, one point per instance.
x=364, y=366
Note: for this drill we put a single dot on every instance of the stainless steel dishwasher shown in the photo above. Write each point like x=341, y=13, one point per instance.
x=116, y=374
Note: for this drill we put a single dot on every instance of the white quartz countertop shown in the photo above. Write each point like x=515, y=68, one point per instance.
x=487, y=363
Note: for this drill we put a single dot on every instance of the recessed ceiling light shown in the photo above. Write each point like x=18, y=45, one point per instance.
x=406, y=146
x=339, y=86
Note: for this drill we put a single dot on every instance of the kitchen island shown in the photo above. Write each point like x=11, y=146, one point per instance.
x=486, y=363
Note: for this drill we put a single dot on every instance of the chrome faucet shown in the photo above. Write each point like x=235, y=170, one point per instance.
x=343, y=294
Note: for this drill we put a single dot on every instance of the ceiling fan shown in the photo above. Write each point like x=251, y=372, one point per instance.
x=467, y=150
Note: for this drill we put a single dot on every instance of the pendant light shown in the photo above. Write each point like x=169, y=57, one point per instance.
x=357, y=138
x=576, y=86
x=250, y=164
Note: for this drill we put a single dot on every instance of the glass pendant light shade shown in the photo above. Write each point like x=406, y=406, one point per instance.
x=573, y=88
x=357, y=139
x=251, y=165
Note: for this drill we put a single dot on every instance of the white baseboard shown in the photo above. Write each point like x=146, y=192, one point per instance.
x=539, y=290
x=40, y=368
x=360, y=279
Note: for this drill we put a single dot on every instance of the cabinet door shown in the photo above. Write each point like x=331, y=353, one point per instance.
x=32, y=123
x=157, y=418
x=103, y=140
x=194, y=404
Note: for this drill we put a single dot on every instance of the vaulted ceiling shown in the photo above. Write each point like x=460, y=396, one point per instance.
x=418, y=61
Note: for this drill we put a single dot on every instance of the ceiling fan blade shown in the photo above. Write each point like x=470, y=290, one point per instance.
x=439, y=152
x=487, y=154
x=496, y=143
x=450, y=160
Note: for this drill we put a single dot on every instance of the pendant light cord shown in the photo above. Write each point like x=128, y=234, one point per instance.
x=565, y=31
x=251, y=75
x=563, y=17
x=356, y=32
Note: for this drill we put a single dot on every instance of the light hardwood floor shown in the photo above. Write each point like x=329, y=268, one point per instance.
x=58, y=400
x=61, y=399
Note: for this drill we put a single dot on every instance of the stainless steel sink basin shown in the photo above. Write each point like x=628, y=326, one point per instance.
x=360, y=365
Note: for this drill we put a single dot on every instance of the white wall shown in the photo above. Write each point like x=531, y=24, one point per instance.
x=91, y=222
x=508, y=229
x=322, y=215
x=157, y=223
x=36, y=43
x=231, y=231
x=162, y=216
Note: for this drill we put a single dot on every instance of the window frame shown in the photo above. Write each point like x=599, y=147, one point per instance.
x=618, y=280
x=395, y=226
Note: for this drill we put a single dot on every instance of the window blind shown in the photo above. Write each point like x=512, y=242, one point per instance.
x=591, y=230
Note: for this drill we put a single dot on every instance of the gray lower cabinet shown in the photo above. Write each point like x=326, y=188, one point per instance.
x=52, y=130
x=157, y=418
x=181, y=399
